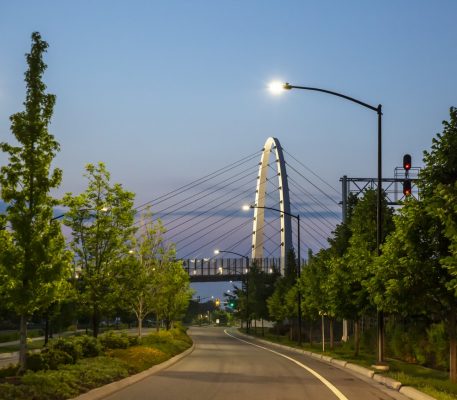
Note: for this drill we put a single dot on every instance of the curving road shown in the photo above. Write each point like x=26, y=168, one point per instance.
x=223, y=366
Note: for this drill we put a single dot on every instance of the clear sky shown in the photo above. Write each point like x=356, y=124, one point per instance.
x=165, y=91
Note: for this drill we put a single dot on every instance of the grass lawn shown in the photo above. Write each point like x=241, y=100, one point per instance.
x=36, y=344
x=433, y=382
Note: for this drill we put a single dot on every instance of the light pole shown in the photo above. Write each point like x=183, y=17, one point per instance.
x=297, y=217
x=276, y=87
x=247, y=282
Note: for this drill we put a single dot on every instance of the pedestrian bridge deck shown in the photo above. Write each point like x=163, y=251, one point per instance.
x=227, y=269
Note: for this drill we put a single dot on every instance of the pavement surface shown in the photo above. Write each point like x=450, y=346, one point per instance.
x=226, y=365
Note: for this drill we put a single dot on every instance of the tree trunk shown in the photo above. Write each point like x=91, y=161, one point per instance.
x=452, y=346
x=356, y=337
x=95, y=321
x=332, y=342
x=157, y=323
x=311, y=333
x=140, y=327
x=263, y=329
x=46, y=329
x=22, y=343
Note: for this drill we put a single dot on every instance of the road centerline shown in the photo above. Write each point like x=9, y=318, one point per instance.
x=327, y=383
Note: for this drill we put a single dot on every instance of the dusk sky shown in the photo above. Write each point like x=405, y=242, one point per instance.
x=164, y=92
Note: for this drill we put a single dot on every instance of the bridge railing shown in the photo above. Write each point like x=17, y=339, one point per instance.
x=229, y=266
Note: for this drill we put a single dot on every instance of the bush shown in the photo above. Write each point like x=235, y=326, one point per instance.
x=14, y=392
x=50, y=385
x=91, y=347
x=140, y=358
x=134, y=340
x=70, y=345
x=111, y=340
x=10, y=370
x=36, y=362
x=53, y=358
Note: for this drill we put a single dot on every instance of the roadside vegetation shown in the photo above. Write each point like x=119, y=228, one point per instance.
x=431, y=381
x=114, y=268
x=73, y=365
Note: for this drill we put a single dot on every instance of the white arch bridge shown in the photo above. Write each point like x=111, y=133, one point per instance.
x=272, y=185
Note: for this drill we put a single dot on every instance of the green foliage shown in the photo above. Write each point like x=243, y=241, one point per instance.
x=36, y=362
x=54, y=358
x=34, y=265
x=153, y=282
x=68, y=381
x=71, y=346
x=101, y=219
x=112, y=340
x=278, y=306
x=140, y=358
x=438, y=344
x=91, y=347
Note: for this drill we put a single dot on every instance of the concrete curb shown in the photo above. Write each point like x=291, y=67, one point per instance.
x=110, y=388
x=408, y=391
x=360, y=370
x=414, y=393
x=389, y=382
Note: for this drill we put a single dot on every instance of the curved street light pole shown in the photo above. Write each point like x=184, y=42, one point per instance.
x=378, y=109
x=297, y=217
x=247, y=282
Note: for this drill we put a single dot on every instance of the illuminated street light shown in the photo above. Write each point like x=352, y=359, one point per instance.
x=276, y=87
x=378, y=110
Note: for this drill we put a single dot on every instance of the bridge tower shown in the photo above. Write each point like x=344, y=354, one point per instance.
x=284, y=202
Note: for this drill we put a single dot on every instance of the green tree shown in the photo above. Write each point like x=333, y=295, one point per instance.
x=139, y=286
x=416, y=273
x=101, y=219
x=350, y=272
x=282, y=304
x=261, y=287
x=173, y=287
x=316, y=291
x=35, y=263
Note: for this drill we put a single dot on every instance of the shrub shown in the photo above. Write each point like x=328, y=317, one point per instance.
x=134, y=340
x=10, y=370
x=111, y=340
x=71, y=346
x=91, y=347
x=140, y=358
x=50, y=385
x=36, y=362
x=14, y=392
x=53, y=358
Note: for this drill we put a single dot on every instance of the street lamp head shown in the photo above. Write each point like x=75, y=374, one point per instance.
x=277, y=87
x=246, y=207
x=216, y=251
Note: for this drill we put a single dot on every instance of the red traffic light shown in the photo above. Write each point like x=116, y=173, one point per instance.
x=407, y=162
x=407, y=187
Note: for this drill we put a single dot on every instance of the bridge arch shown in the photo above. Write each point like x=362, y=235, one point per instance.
x=272, y=144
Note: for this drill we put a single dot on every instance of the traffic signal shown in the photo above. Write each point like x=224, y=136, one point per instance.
x=407, y=162
x=217, y=302
x=407, y=187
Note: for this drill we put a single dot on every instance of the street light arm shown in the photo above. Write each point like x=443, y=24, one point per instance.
x=276, y=209
x=232, y=252
x=378, y=109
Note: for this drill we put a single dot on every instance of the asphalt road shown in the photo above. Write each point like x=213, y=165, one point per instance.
x=223, y=367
